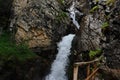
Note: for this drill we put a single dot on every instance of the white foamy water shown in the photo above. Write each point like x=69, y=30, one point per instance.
x=58, y=69
x=72, y=10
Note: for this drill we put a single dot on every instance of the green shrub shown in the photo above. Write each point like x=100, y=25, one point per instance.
x=11, y=51
x=61, y=15
x=62, y=2
x=94, y=53
x=110, y=2
x=94, y=9
x=105, y=25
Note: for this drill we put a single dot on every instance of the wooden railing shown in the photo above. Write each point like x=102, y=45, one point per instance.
x=90, y=74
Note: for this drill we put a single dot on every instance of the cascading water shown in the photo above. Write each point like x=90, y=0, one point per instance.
x=58, y=68
x=72, y=10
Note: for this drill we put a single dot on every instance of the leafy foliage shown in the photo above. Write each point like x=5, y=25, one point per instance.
x=61, y=16
x=61, y=1
x=105, y=25
x=94, y=8
x=110, y=2
x=10, y=51
x=93, y=54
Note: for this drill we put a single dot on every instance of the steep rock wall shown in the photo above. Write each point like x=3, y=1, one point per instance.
x=40, y=23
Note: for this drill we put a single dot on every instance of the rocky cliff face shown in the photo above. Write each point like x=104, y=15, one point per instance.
x=111, y=47
x=89, y=35
x=40, y=23
x=99, y=30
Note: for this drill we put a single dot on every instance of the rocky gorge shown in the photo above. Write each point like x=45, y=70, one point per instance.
x=41, y=24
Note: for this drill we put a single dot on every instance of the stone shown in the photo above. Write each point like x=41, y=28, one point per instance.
x=39, y=23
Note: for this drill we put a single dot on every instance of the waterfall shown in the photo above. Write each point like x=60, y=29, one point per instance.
x=73, y=11
x=58, y=70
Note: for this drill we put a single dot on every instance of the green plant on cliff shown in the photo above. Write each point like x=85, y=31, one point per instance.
x=110, y=2
x=105, y=25
x=61, y=16
x=94, y=53
x=61, y=2
x=94, y=9
x=96, y=0
x=9, y=50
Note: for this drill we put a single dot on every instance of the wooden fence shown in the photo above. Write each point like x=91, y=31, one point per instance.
x=90, y=74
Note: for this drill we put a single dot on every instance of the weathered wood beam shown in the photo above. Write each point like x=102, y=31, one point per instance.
x=89, y=62
x=88, y=70
x=92, y=74
x=75, y=72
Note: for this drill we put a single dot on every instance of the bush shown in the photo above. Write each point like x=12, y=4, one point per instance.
x=94, y=53
x=11, y=51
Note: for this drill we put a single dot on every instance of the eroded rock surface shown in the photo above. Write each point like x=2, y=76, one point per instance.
x=40, y=23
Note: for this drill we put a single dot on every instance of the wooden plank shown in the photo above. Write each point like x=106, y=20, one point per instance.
x=95, y=66
x=89, y=62
x=84, y=63
x=75, y=72
x=92, y=74
x=88, y=70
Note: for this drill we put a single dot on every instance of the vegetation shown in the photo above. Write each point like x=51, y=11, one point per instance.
x=61, y=16
x=62, y=2
x=94, y=53
x=94, y=8
x=105, y=25
x=110, y=2
x=11, y=51
x=96, y=0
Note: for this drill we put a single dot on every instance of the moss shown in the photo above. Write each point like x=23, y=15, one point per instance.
x=105, y=25
x=110, y=2
x=94, y=53
x=94, y=9
x=9, y=50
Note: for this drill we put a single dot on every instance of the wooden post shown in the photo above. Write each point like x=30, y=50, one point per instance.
x=75, y=72
x=88, y=70
x=95, y=67
x=92, y=74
